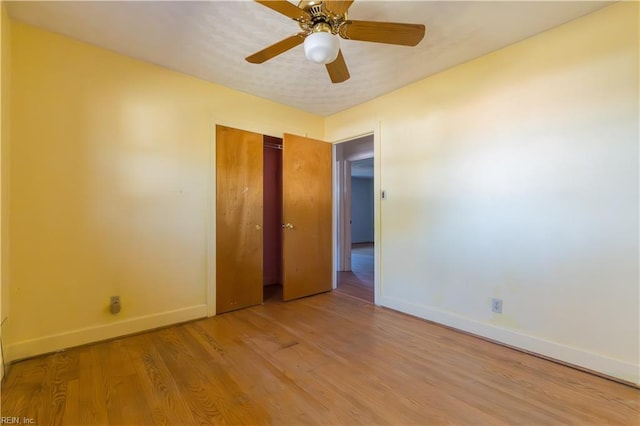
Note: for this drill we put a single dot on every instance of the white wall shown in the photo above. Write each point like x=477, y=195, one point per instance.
x=524, y=186
x=361, y=210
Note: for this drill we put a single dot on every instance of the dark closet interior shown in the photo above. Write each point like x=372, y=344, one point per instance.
x=272, y=219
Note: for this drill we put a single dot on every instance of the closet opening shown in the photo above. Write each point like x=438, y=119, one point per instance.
x=272, y=217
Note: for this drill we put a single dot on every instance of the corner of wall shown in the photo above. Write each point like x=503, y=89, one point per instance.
x=5, y=80
x=5, y=134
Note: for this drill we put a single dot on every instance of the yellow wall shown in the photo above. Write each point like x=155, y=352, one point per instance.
x=111, y=189
x=5, y=80
x=516, y=176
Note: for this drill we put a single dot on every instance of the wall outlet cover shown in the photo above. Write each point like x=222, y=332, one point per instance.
x=496, y=305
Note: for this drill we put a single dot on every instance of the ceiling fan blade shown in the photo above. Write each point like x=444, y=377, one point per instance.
x=383, y=32
x=285, y=8
x=338, y=7
x=276, y=49
x=337, y=69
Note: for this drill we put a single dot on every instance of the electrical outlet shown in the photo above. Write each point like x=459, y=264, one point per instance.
x=114, y=306
x=496, y=305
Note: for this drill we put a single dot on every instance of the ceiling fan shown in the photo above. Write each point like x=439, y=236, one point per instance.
x=321, y=22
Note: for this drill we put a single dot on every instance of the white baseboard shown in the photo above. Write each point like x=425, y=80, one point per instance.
x=599, y=363
x=56, y=342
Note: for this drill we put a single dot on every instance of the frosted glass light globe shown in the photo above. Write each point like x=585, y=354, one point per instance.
x=321, y=47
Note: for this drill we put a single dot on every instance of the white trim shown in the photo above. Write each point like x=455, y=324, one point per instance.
x=341, y=211
x=345, y=215
x=81, y=336
x=336, y=233
x=377, y=214
x=374, y=130
x=581, y=358
x=211, y=225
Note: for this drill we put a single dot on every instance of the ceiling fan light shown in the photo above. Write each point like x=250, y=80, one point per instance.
x=321, y=47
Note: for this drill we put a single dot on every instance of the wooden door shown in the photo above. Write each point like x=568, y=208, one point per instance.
x=239, y=175
x=307, y=211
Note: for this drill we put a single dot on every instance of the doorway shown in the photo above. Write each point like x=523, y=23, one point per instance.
x=355, y=275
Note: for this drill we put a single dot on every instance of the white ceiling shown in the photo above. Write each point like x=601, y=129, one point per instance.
x=210, y=39
x=362, y=168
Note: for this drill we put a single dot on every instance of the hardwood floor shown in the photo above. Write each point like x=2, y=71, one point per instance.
x=359, y=281
x=327, y=359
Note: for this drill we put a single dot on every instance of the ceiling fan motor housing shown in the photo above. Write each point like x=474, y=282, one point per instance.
x=321, y=19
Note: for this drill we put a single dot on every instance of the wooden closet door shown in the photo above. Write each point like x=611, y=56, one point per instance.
x=239, y=176
x=307, y=213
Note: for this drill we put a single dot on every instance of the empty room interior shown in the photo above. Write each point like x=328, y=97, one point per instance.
x=325, y=212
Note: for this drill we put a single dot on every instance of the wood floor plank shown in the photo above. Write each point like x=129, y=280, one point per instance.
x=157, y=384
x=18, y=393
x=327, y=359
x=298, y=360
x=71, y=409
x=262, y=382
x=287, y=397
x=93, y=395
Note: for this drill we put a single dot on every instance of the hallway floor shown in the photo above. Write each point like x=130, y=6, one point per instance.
x=358, y=282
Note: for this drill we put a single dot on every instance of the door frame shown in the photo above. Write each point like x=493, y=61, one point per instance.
x=210, y=222
x=342, y=188
x=344, y=201
x=339, y=221
x=210, y=290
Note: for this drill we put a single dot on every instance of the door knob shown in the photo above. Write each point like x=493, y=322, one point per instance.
x=287, y=226
x=258, y=227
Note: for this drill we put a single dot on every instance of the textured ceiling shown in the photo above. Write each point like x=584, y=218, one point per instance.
x=210, y=40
